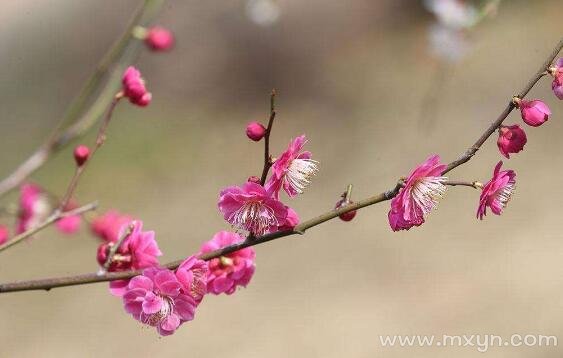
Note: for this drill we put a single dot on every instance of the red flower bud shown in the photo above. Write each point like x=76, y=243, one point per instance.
x=81, y=154
x=159, y=39
x=350, y=214
x=255, y=131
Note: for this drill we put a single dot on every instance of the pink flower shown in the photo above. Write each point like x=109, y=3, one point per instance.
x=192, y=274
x=159, y=39
x=293, y=170
x=134, y=87
x=139, y=250
x=231, y=270
x=291, y=221
x=81, y=154
x=534, y=113
x=251, y=208
x=34, y=207
x=419, y=196
x=511, y=139
x=4, y=234
x=107, y=226
x=557, y=73
x=255, y=131
x=497, y=192
x=157, y=299
x=69, y=224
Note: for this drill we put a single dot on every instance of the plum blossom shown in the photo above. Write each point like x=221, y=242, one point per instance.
x=231, y=270
x=291, y=221
x=497, y=192
x=511, y=139
x=69, y=224
x=157, y=298
x=34, y=207
x=108, y=225
x=251, y=208
x=420, y=194
x=557, y=72
x=193, y=275
x=138, y=250
x=293, y=170
x=134, y=87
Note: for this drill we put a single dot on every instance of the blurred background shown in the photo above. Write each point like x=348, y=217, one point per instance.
x=377, y=86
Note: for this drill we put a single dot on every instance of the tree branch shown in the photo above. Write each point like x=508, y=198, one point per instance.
x=470, y=152
x=49, y=283
x=55, y=216
x=126, y=49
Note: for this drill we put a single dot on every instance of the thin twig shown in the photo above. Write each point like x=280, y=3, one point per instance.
x=126, y=49
x=113, y=249
x=267, y=157
x=474, y=184
x=100, y=139
x=49, y=283
x=470, y=152
x=55, y=216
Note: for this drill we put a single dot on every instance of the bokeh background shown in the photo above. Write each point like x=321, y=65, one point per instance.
x=359, y=77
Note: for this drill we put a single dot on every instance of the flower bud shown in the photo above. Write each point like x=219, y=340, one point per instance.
x=159, y=39
x=350, y=214
x=255, y=131
x=81, y=154
x=511, y=139
x=534, y=113
x=134, y=87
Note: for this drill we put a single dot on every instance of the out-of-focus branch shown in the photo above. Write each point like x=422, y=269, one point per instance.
x=123, y=52
x=55, y=216
x=100, y=139
x=49, y=283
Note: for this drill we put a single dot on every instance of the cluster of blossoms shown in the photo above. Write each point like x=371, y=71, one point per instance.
x=426, y=184
x=161, y=297
x=167, y=297
x=256, y=208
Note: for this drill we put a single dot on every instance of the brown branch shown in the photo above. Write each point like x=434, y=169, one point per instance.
x=49, y=283
x=125, y=49
x=55, y=216
x=267, y=158
x=470, y=152
x=473, y=184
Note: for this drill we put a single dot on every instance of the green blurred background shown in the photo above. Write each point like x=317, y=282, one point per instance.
x=357, y=77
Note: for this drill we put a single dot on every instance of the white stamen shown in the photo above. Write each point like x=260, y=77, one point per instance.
x=300, y=173
x=504, y=194
x=255, y=217
x=165, y=310
x=427, y=191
